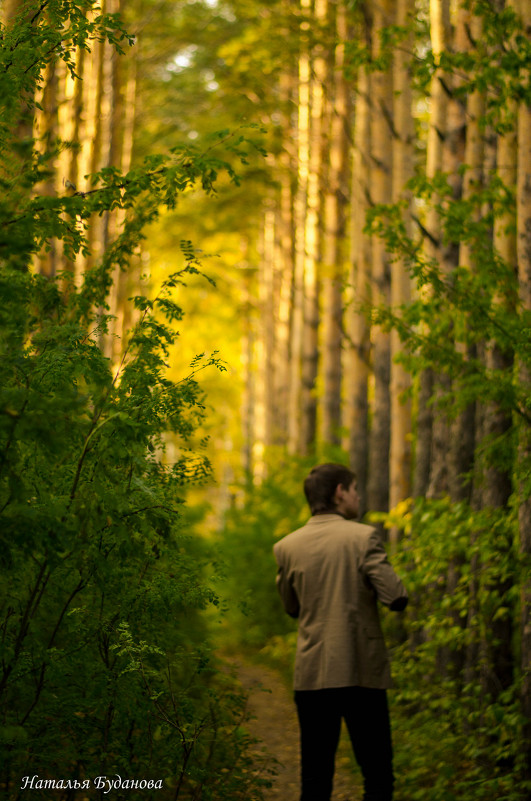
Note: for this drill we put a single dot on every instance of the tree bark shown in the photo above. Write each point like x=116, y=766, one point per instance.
x=463, y=429
x=312, y=230
x=267, y=333
x=453, y=142
x=357, y=352
x=523, y=208
x=96, y=113
x=498, y=482
x=381, y=184
x=46, y=133
x=440, y=33
x=403, y=168
x=248, y=404
x=300, y=210
x=284, y=264
x=336, y=194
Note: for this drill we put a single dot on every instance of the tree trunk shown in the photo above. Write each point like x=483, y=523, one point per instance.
x=312, y=233
x=19, y=130
x=248, y=405
x=453, y=141
x=427, y=422
x=95, y=127
x=498, y=482
x=283, y=264
x=46, y=133
x=357, y=352
x=9, y=9
x=461, y=457
x=403, y=168
x=381, y=184
x=300, y=210
x=70, y=129
x=336, y=193
x=523, y=209
x=266, y=333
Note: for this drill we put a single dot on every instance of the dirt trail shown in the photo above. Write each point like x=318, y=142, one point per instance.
x=275, y=724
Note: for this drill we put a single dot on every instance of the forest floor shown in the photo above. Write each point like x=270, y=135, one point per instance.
x=273, y=721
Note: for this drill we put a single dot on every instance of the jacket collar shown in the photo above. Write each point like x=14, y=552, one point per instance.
x=325, y=518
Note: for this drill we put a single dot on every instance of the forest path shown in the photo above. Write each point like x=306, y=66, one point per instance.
x=274, y=723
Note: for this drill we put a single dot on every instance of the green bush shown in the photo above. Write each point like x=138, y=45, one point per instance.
x=268, y=512
x=105, y=665
x=457, y=729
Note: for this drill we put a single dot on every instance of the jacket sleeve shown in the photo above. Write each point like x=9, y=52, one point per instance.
x=285, y=588
x=385, y=582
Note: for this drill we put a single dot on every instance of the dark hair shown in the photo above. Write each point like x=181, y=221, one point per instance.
x=321, y=484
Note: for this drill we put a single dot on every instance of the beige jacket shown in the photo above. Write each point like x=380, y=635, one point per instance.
x=330, y=574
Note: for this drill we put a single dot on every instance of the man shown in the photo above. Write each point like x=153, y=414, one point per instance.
x=331, y=572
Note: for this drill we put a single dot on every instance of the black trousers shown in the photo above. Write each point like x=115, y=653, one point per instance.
x=366, y=715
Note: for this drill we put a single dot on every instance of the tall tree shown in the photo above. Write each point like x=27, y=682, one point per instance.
x=319, y=71
x=440, y=33
x=300, y=209
x=356, y=363
x=336, y=191
x=463, y=429
x=523, y=210
x=122, y=85
x=403, y=170
x=381, y=192
x=284, y=257
x=453, y=142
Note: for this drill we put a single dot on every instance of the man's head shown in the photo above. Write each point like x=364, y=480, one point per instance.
x=332, y=488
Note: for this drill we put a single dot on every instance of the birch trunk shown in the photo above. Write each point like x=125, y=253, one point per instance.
x=46, y=134
x=96, y=113
x=266, y=333
x=461, y=458
x=284, y=271
x=122, y=117
x=313, y=234
x=9, y=10
x=403, y=168
x=20, y=130
x=498, y=482
x=336, y=193
x=248, y=402
x=381, y=184
x=523, y=208
x=357, y=352
x=440, y=33
x=70, y=116
x=300, y=210
x=453, y=144
x=493, y=484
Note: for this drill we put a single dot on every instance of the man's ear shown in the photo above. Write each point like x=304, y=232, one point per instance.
x=338, y=494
